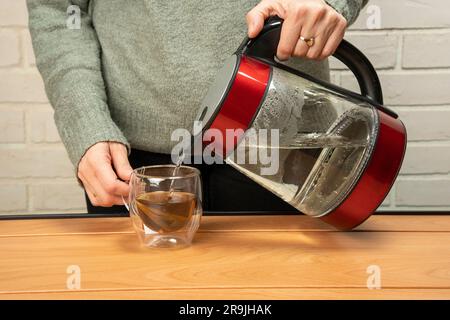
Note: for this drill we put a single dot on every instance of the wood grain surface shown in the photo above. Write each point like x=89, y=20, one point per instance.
x=262, y=257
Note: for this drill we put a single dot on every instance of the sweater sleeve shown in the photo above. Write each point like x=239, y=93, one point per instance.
x=348, y=8
x=69, y=62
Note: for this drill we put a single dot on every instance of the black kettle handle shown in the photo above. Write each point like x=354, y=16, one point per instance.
x=264, y=47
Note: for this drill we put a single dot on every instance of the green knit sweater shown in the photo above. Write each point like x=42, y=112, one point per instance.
x=137, y=70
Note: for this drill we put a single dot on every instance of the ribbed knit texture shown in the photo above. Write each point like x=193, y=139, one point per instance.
x=137, y=70
x=348, y=8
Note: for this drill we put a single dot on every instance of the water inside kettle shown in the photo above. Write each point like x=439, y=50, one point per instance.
x=324, y=141
x=314, y=170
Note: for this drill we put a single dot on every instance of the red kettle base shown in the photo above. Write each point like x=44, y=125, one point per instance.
x=377, y=179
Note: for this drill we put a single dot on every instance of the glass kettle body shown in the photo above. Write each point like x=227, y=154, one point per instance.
x=334, y=154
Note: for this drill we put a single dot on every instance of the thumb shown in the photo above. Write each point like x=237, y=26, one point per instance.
x=119, y=156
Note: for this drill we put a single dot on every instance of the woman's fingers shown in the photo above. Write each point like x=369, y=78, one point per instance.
x=262, y=11
x=320, y=40
x=290, y=33
x=327, y=33
x=334, y=39
x=109, y=181
x=318, y=26
x=307, y=19
x=105, y=197
x=89, y=190
x=92, y=197
x=98, y=177
x=119, y=158
x=301, y=49
x=96, y=190
x=309, y=29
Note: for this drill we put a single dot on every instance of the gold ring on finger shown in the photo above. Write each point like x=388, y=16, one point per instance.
x=309, y=42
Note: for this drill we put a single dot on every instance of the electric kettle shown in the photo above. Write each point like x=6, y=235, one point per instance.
x=337, y=152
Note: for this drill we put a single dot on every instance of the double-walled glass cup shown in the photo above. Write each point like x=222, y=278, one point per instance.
x=165, y=204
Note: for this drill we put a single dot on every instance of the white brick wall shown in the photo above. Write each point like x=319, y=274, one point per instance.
x=35, y=172
x=411, y=50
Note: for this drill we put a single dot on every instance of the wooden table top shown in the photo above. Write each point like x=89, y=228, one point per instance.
x=235, y=257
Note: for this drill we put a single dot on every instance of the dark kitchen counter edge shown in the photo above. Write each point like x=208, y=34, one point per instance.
x=238, y=213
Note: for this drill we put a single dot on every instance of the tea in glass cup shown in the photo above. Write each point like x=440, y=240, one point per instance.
x=165, y=204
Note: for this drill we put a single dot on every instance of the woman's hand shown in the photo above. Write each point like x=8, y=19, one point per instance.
x=99, y=178
x=302, y=18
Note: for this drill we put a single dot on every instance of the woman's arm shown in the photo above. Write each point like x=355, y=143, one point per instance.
x=349, y=9
x=322, y=22
x=69, y=62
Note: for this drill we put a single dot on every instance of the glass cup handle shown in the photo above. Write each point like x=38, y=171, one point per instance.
x=147, y=230
x=126, y=204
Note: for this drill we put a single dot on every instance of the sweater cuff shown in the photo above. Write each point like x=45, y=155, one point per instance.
x=79, y=131
x=348, y=9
